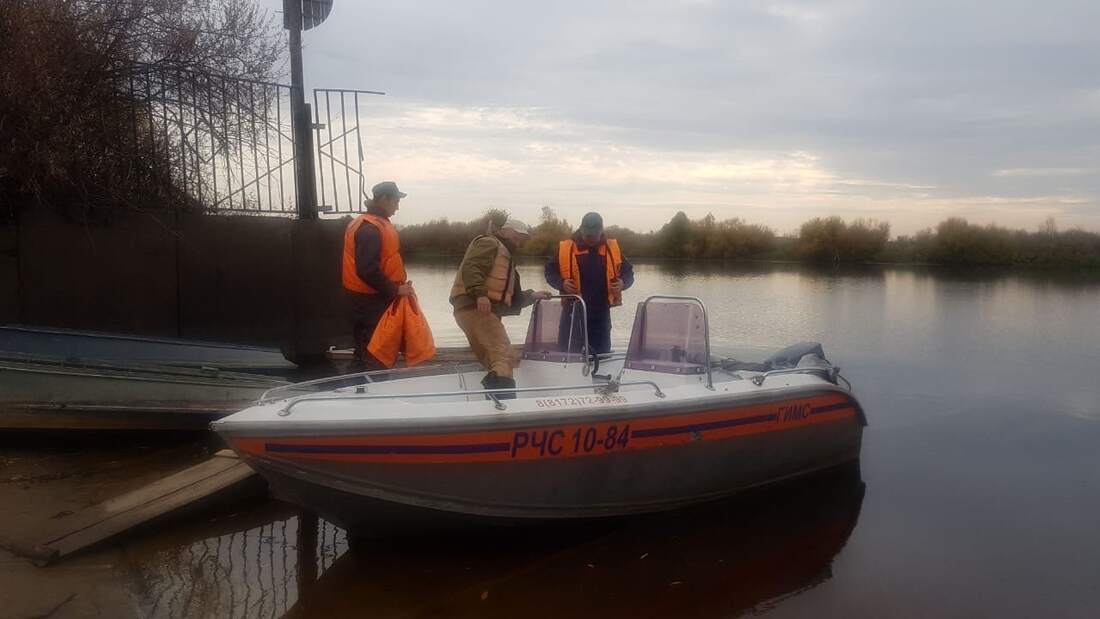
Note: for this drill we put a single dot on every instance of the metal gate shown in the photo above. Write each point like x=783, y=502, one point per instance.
x=228, y=145
x=341, y=185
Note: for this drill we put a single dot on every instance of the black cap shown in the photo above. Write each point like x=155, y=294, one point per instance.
x=591, y=223
x=387, y=188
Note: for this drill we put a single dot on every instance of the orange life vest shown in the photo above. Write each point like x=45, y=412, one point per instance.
x=499, y=282
x=402, y=328
x=393, y=266
x=613, y=258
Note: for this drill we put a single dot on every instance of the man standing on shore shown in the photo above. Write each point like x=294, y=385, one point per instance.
x=487, y=287
x=593, y=266
x=373, y=270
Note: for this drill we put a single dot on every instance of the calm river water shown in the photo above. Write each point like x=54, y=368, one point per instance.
x=978, y=493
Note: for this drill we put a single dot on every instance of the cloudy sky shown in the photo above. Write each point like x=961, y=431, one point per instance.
x=772, y=111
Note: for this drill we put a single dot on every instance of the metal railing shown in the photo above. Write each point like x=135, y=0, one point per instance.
x=456, y=369
x=226, y=144
x=830, y=374
x=321, y=397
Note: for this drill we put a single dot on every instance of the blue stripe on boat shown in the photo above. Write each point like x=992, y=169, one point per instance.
x=702, y=427
x=832, y=407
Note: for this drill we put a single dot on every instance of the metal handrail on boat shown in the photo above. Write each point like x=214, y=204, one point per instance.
x=490, y=392
x=830, y=373
x=706, y=329
x=266, y=396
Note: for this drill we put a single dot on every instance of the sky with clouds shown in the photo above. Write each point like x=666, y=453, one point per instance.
x=772, y=111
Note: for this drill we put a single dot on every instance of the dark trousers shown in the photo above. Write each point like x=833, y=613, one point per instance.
x=599, y=329
x=570, y=330
x=365, y=311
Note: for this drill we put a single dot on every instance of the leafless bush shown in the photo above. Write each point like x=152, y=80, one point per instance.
x=84, y=85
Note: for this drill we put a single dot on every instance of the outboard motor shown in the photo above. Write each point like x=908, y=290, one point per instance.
x=791, y=356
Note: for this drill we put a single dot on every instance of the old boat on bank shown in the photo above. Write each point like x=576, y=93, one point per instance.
x=660, y=427
x=64, y=379
x=46, y=393
x=121, y=348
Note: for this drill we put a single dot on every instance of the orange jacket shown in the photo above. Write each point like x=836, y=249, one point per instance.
x=567, y=264
x=402, y=328
x=393, y=266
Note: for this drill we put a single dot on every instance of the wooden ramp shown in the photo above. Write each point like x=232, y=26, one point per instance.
x=120, y=514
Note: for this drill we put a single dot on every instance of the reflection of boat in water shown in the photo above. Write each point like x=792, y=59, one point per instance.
x=713, y=560
x=717, y=559
x=663, y=428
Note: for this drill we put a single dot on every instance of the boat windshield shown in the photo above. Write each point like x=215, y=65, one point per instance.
x=668, y=336
x=557, y=332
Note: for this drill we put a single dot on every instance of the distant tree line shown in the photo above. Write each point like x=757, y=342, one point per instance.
x=443, y=237
x=957, y=241
x=820, y=240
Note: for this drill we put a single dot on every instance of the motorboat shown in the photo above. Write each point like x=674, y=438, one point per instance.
x=661, y=426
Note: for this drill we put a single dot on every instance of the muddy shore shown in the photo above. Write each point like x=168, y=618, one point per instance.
x=43, y=480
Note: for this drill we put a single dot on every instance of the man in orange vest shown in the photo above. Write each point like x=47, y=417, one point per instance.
x=593, y=266
x=373, y=270
x=487, y=287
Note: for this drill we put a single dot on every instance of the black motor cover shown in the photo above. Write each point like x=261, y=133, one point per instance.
x=789, y=356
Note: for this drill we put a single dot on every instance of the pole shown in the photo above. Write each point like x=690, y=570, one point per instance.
x=307, y=551
x=300, y=115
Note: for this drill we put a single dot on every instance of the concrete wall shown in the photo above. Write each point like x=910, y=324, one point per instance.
x=236, y=278
x=9, y=275
x=119, y=276
x=257, y=280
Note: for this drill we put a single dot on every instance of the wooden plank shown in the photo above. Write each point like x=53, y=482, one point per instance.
x=114, y=516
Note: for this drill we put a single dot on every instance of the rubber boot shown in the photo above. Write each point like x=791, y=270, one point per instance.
x=490, y=382
x=506, y=382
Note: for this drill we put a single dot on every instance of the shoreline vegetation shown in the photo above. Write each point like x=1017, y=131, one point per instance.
x=76, y=140
x=828, y=240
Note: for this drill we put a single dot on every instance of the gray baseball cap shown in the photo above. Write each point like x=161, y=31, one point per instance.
x=387, y=188
x=517, y=225
x=591, y=223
